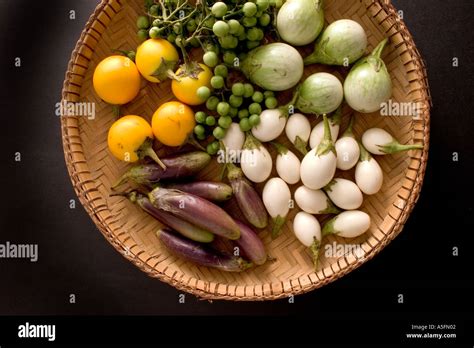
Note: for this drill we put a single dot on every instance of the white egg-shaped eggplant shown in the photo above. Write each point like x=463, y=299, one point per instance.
x=380, y=142
x=318, y=170
x=287, y=164
x=348, y=153
x=319, y=165
x=272, y=123
x=276, y=197
x=256, y=162
x=308, y=231
x=344, y=193
x=314, y=201
x=297, y=131
x=234, y=138
x=347, y=149
x=306, y=228
x=349, y=224
x=368, y=173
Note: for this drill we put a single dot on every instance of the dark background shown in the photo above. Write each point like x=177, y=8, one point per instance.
x=74, y=258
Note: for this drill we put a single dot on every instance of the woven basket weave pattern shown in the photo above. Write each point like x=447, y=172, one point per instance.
x=131, y=232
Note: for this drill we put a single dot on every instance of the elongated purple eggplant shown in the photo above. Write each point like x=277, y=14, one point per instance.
x=185, y=228
x=196, y=210
x=250, y=244
x=200, y=254
x=177, y=166
x=210, y=190
x=248, y=199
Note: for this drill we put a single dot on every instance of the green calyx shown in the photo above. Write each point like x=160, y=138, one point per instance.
x=146, y=150
x=233, y=172
x=374, y=59
x=281, y=149
x=329, y=186
x=278, y=223
x=364, y=154
x=129, y=54
x=190, y=69
x=328, y=227
x=166, y=70
x=395, y=147
x=300, y=145
x=251, y=143
x=244, y=265
x=326, y=144
x=330, y=209
x=319, y=54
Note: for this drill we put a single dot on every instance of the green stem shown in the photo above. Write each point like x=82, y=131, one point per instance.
x=336, y=118
x=301, y=145
x=395, y=147
x=328, y=227
x=326, y=144
x=349, y=131
x=116, y=111
x=285, y=108
x=377, y=52
x=232, y=14
x=146, y=150
x=122, y=180
x=281, y=149
x=278, y=223
x=191, y=140
x=364, y=154
x=315, y=247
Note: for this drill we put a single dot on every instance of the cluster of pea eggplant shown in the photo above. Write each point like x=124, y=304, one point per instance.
x=321, y=192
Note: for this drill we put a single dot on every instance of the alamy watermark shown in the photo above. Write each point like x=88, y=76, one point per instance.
x=28, y=330
x=394, y=108
x=10, y=250
x=81, y=109
x=339, y=250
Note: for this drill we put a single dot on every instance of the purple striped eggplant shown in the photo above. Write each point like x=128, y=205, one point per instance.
x=250, y=244
x=200, y=254
x=195, y=210
x=248, y=199
x=210, y=190
x=183, y=227
x=177, y=166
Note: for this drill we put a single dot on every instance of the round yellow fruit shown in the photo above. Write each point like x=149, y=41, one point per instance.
x=153, y=54
x=127, y=135
x=173, y=123
x=186, y=88
x=116, y=80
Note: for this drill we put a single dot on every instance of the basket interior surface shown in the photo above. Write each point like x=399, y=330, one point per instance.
x=93, y=169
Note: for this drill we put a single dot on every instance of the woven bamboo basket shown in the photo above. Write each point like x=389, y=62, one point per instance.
x=92, y=169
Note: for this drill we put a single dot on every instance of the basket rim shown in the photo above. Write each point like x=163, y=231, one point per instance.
x=75, y=174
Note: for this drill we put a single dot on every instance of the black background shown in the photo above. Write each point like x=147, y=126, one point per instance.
x=74, y=258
